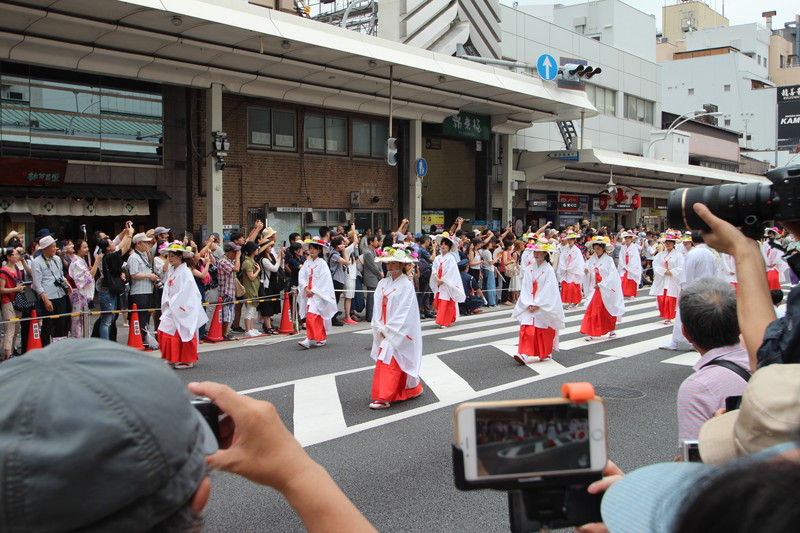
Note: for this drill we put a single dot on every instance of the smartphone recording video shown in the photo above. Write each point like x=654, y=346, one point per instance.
x=509, y=440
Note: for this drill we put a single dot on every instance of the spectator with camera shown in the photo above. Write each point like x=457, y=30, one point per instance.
x=112, y=282
x=83, y=293
x=143, y=282
x=50, y=285
x=708, y=310
x=11, y=284
x=149, y=471
x=227, y=268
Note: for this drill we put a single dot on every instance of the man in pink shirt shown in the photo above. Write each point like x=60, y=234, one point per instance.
x=708, y=308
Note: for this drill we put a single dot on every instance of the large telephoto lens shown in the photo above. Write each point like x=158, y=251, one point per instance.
x=738, y=204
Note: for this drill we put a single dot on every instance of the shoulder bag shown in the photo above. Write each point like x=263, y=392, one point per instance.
x=25, y=300
x=114, y=284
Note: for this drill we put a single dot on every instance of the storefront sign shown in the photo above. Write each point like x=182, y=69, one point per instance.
x=573, y=202
x=565, y=155
x=467, y=125
x=433, y=143
x=789, y=118
x=611, y=207
x=20, y=171
x=293, y=209
x=433, y=218
x=542, y=201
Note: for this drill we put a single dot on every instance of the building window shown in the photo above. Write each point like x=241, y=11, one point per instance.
x=605, y=100
x=369, y=137
x=271, y=128
x=691, y=92
x=727, y=122
x=638, y=109
x=325, y=134
x=726, y=88
x=51, y=114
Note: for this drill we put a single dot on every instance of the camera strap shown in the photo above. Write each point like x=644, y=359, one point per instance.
x=730, y=365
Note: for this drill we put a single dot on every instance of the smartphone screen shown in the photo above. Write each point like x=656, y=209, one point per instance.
x=732, y=403
x=510, y=441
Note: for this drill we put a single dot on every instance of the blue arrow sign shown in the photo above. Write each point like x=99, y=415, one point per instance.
x=547, y=67
x=422, y=167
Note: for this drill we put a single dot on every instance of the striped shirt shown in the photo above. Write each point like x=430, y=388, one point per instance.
x=702, y=393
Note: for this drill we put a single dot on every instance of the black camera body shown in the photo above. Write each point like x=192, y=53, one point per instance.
x=747, y=206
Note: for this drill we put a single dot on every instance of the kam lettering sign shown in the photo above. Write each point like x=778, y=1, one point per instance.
x=789, y=118
x=467, y=125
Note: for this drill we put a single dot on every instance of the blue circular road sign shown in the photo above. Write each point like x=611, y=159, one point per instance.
x=547, y=67
x=422, y=167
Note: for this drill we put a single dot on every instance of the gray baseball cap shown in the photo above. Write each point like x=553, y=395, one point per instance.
x=95, y=436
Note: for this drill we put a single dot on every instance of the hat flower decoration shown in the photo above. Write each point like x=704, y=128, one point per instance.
x=177, y=247
x=398, y=252
x=315, y=240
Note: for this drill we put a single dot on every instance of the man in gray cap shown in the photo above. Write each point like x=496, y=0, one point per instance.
x=96, y=437
x=161, y=235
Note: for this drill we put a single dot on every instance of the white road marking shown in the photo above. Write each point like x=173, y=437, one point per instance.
x=318, y=412
x=621, y=333
x=685, y=359
x=445, y=382
x=637, y=347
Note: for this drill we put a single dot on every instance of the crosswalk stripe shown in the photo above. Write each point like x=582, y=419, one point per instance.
x=684, y=359
x=637, y=347
x=577, y=328
x=626, y=332
x=429, y=328
x=445, y=382
x=318, y=412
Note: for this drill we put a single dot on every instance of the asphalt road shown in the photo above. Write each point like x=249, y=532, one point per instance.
x=396, y=464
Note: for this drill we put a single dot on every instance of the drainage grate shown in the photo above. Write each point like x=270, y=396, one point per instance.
x=618, y=393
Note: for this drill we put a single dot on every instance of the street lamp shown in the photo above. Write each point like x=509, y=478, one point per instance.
x=686, y=117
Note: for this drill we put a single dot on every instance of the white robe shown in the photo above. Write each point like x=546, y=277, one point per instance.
x=550, y=313
x=700, y=263
x=610, y=286
x=323, y=301
x=773, y=258
x=402, y=333
x=451, y=287
x=661, y=281
x=634, y=265
x=181, y=306
x=570, y=267
x=727, y=268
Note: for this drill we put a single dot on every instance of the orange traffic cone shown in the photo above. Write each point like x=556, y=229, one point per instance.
x=135, y=330
x=286, y=322
x=214, y=333
x=34, y=333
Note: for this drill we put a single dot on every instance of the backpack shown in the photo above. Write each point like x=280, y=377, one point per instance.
x=781, y=342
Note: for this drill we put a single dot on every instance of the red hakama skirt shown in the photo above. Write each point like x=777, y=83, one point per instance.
x=773, y=278
x=570, y=293
x=536, y=342
x=315, y=328
x=597, y=320
x=445, y=311
x=389, y=383
x=735, y=288
x=174, y=350
x=629, y=287
x=666, y=305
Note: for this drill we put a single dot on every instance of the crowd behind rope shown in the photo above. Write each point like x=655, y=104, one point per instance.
x=751, y=454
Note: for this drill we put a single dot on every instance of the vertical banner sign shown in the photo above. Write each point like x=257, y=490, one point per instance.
x=789, y=118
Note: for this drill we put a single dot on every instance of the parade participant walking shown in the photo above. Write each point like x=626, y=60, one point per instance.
x=182, y=312
x=396, y=331
x=570, y=271
x=629, y=266
x=539, y=309
x=606, y=303
x=445, y=282
x=668, y=267
x=727, y=270
x=773, y=257
x=315, y=298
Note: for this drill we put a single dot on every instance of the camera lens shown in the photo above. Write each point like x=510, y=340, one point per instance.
x=740, y=205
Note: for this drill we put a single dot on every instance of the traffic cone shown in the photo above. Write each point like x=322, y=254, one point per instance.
x=34, y=333
x=135, y=330
x=286, y=322
x=214, y=333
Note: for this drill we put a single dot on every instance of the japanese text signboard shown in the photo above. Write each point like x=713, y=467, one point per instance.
x=19, y=171
x=467, y=125
x=789, y=118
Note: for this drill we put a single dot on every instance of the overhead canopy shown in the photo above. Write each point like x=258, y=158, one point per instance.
x=79, y=192
x=593, y=168
x=266, y=53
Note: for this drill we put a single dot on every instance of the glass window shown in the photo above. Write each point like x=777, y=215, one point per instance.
x=314, y=133
x=369, y=137
x=726, y=88
x=270, y=128
x=380, y=132
x=336, y=135
x=361, y=137
x=638, y=109
x=95, y=120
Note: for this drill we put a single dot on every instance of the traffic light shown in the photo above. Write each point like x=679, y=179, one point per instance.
x=391, y=151
x=576, y=72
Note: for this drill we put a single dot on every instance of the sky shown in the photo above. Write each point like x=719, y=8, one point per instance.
x=737, y=11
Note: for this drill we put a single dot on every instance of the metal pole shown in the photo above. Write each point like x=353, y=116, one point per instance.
x=582, y=113
x=391, y=104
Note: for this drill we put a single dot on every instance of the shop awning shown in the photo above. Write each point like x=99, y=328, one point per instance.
x=266, y=53
x=587, y=171
x=79, y=192
x=76, y=200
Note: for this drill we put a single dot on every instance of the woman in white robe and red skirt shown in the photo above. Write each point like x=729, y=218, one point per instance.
x=667, y=267
x=396, y=332
x=316, y=300
x=445, y=283
x=773, y=257
x=629, y=266
x=182, y=311
x=570, y=271
x=606, y=303
x=538, y=309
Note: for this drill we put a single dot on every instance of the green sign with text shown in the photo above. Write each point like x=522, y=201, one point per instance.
x=467, y=125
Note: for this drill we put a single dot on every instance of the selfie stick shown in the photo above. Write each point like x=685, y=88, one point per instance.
x=542, y=503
